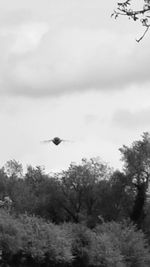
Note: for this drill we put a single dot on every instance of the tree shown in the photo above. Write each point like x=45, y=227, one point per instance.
x=34, y=176
x=80, y=191
x=3, y=183
x=14, y=169
x=119, y=244
x=137, y=170
x=121, y=197
x=125, y=9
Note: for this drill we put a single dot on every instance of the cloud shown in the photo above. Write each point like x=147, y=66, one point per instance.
x=132, y=120
x=64, y=61
x=45, y=57
x=28, y=37
x=25, y=37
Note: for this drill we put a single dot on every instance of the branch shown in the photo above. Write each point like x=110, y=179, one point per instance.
x=138, y=40
x=124, y=9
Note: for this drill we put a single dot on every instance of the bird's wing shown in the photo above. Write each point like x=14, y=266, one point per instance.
x=46, y=141
x=66, y=140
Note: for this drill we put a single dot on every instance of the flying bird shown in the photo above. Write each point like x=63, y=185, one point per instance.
x=56, y=141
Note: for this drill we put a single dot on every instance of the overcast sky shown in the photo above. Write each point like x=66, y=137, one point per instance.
x=67, y=69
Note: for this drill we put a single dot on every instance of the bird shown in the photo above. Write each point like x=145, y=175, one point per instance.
x=56, y=141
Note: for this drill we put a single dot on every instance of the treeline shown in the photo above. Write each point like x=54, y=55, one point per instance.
x=84, y=216
x=87, y=193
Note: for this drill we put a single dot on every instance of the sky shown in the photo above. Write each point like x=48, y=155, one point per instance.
x=68, y=69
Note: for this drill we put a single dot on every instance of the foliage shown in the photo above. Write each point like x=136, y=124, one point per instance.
x=81, y=242
x=127, y=9
x=109, y=244
x=34, y=238
x=104, y=253
x=14, y=169
x=3, y=182
x=73, y=217
x=122, y=195
x=126, y=242
x=137, y=159
x=11, y=231
x=44, y=240
x=79, y=186
x=137, y=170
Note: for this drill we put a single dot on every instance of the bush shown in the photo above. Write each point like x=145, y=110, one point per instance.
x=45, y=241
x=11, y=231
x=81, y=243
x=104, y=253
x=128, y=242
x=40, y=242
x=34, y=238
x=109, y=244
x=93, y=249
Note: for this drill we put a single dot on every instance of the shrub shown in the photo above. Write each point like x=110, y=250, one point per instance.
x=11, y=231
x=109, y=244
x=34, y=238
x=81, y=243
x=131, y=243
x=45, y=240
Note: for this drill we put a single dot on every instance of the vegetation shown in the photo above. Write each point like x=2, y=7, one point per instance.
x=127, y=8
x=89, y=215
x=30, y=241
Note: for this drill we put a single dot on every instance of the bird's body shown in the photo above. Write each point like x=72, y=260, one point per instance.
x=56, y=141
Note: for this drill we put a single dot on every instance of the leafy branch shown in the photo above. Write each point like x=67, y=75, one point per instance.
x=124, y=9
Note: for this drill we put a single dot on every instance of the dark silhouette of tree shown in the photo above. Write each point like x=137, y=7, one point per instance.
x=137, y=170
